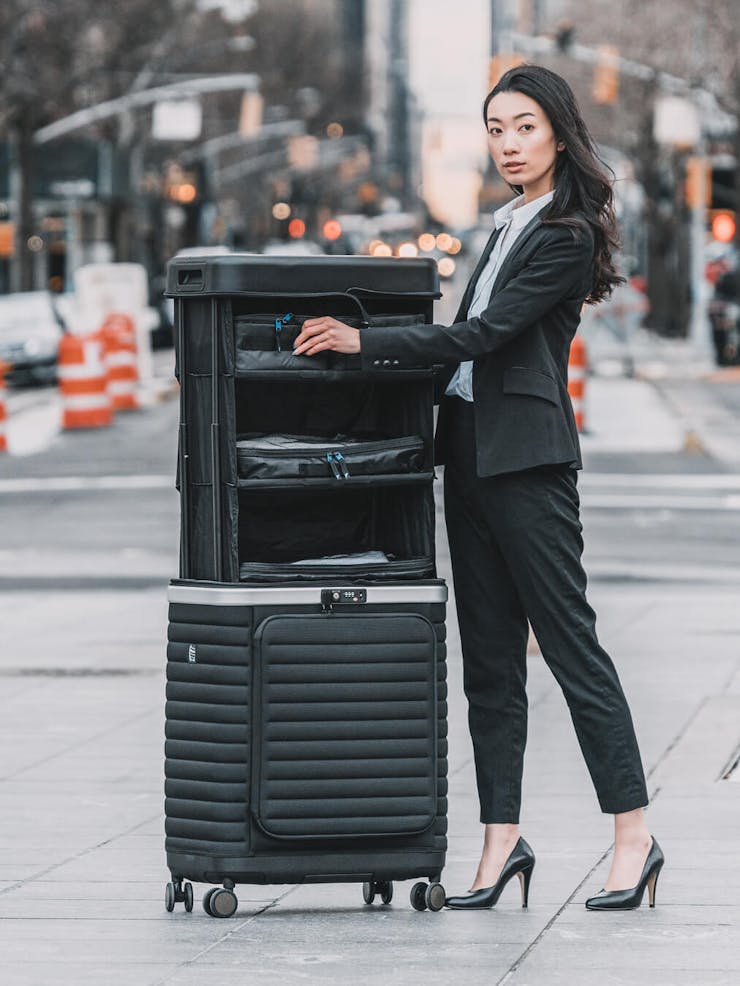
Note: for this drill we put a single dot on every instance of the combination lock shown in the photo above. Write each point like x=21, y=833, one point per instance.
x=342, y=597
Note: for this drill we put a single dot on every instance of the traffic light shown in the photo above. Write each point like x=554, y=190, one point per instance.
x=499, y=64
x=606, y=75
x=565, y=34
x=698, y=187
x=723, y=198
x=723, y=225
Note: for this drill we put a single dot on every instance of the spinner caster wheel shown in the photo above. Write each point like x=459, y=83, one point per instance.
x=207, y=900
x=188, y=892
x=418, y=896
x=385, y=889
x=221, y=903
x=170, y=896
x=368, y=891
x=434, y=896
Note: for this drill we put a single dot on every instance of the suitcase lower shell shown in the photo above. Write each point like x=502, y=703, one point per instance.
x=306, y=740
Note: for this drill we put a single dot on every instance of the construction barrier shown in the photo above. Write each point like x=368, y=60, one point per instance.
x=119, y=356
x=83, y=383
x=4, y=367
x=577, y=380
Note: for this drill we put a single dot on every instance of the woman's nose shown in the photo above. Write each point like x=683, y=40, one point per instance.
x=510, y=143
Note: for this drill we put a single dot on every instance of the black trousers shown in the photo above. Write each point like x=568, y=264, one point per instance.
x=515, y=542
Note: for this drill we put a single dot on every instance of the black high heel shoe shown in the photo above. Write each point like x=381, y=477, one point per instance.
x=520, y=863
x=626, y=900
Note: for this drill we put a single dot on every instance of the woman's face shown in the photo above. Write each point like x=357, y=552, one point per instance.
x=522, y=143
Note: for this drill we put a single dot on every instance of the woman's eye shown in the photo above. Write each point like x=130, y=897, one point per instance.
x=527, y=126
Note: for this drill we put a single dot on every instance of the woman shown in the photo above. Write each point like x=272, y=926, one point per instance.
x=507, y=435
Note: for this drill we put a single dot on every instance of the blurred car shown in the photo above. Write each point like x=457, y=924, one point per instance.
x=30, y=329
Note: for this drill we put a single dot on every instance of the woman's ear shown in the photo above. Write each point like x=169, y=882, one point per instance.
x=560, y=146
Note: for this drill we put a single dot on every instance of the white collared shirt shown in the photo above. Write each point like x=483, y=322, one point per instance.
x=514, y=216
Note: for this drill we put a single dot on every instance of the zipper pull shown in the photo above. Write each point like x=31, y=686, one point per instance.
x=333, y=465
x=279, y=327
x=342, y=464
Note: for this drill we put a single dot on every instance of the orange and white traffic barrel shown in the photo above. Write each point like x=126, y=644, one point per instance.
x=577, y=380
x=83, y=383
x=4, y=367
x=119, y=354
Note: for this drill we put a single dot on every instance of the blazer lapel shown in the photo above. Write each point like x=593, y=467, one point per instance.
x=462, y=312
x=505, y=269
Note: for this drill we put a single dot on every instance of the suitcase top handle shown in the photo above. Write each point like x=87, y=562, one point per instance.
x=252, y=275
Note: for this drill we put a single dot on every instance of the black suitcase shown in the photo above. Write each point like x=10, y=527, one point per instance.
x=306, y=696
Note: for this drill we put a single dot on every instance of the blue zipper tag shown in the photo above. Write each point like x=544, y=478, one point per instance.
x=331, y=459
x=342, y=464
x=279, y=327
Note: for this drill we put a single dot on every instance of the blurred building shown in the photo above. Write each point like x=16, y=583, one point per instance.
x=329, y=128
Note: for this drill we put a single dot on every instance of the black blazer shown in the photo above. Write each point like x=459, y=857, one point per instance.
x=520, y=345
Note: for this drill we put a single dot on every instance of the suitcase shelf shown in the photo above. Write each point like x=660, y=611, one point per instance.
x=306, y=695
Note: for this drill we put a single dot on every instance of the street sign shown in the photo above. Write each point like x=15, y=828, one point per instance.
x=177, y=119
x=676, y=121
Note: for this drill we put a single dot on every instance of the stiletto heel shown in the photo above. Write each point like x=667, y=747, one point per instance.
x=525, y=877
x=652, y=884
x=624, y=900
x=520, y=863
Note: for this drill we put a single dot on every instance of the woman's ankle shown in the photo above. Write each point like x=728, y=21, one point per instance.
x=631, y=829
x=498, y=836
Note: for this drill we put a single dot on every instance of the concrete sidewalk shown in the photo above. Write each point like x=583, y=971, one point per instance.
x=82, y=871
x=82, y=863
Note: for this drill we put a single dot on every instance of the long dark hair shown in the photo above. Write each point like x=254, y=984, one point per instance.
x=583, y=190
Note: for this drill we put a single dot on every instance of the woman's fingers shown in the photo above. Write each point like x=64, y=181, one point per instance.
x=311, y=328
x=323, y=333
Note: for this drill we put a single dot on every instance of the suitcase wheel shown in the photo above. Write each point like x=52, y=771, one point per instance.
x=176, y=893
x=418, y=896
x=220, y=903
x=428, y=896
x=435, y=896
x=373, y=887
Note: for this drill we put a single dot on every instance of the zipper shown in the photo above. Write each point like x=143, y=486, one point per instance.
x=279, y=327
x=333, y=465
x=342, y=464
x=320, y=445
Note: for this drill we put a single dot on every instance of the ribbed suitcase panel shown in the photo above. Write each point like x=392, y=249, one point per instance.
x=208, y=742
x=317, y=720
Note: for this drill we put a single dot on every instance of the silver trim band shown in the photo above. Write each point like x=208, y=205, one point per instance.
x=299, y=595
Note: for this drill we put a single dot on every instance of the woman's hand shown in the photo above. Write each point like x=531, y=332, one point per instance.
x=323, y=333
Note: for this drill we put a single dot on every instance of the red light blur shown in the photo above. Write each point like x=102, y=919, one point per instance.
x=332, y=229
x=296, y=228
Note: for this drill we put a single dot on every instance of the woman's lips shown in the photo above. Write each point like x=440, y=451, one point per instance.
x=514, y=166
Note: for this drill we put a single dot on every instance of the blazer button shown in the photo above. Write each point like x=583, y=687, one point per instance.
x=376, y=362
x=386, y=362
x=395, y=362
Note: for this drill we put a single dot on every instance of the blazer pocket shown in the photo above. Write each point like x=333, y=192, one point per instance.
x=531, y=383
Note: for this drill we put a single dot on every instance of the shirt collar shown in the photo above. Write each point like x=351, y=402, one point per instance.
x=520, y=212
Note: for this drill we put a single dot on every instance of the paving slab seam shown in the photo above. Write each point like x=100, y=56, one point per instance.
x=533, y=944
x=76, y=856
x=569, y=900
x=677, y=738
x=232, y=931
x=83, y=742
x=735, y=673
